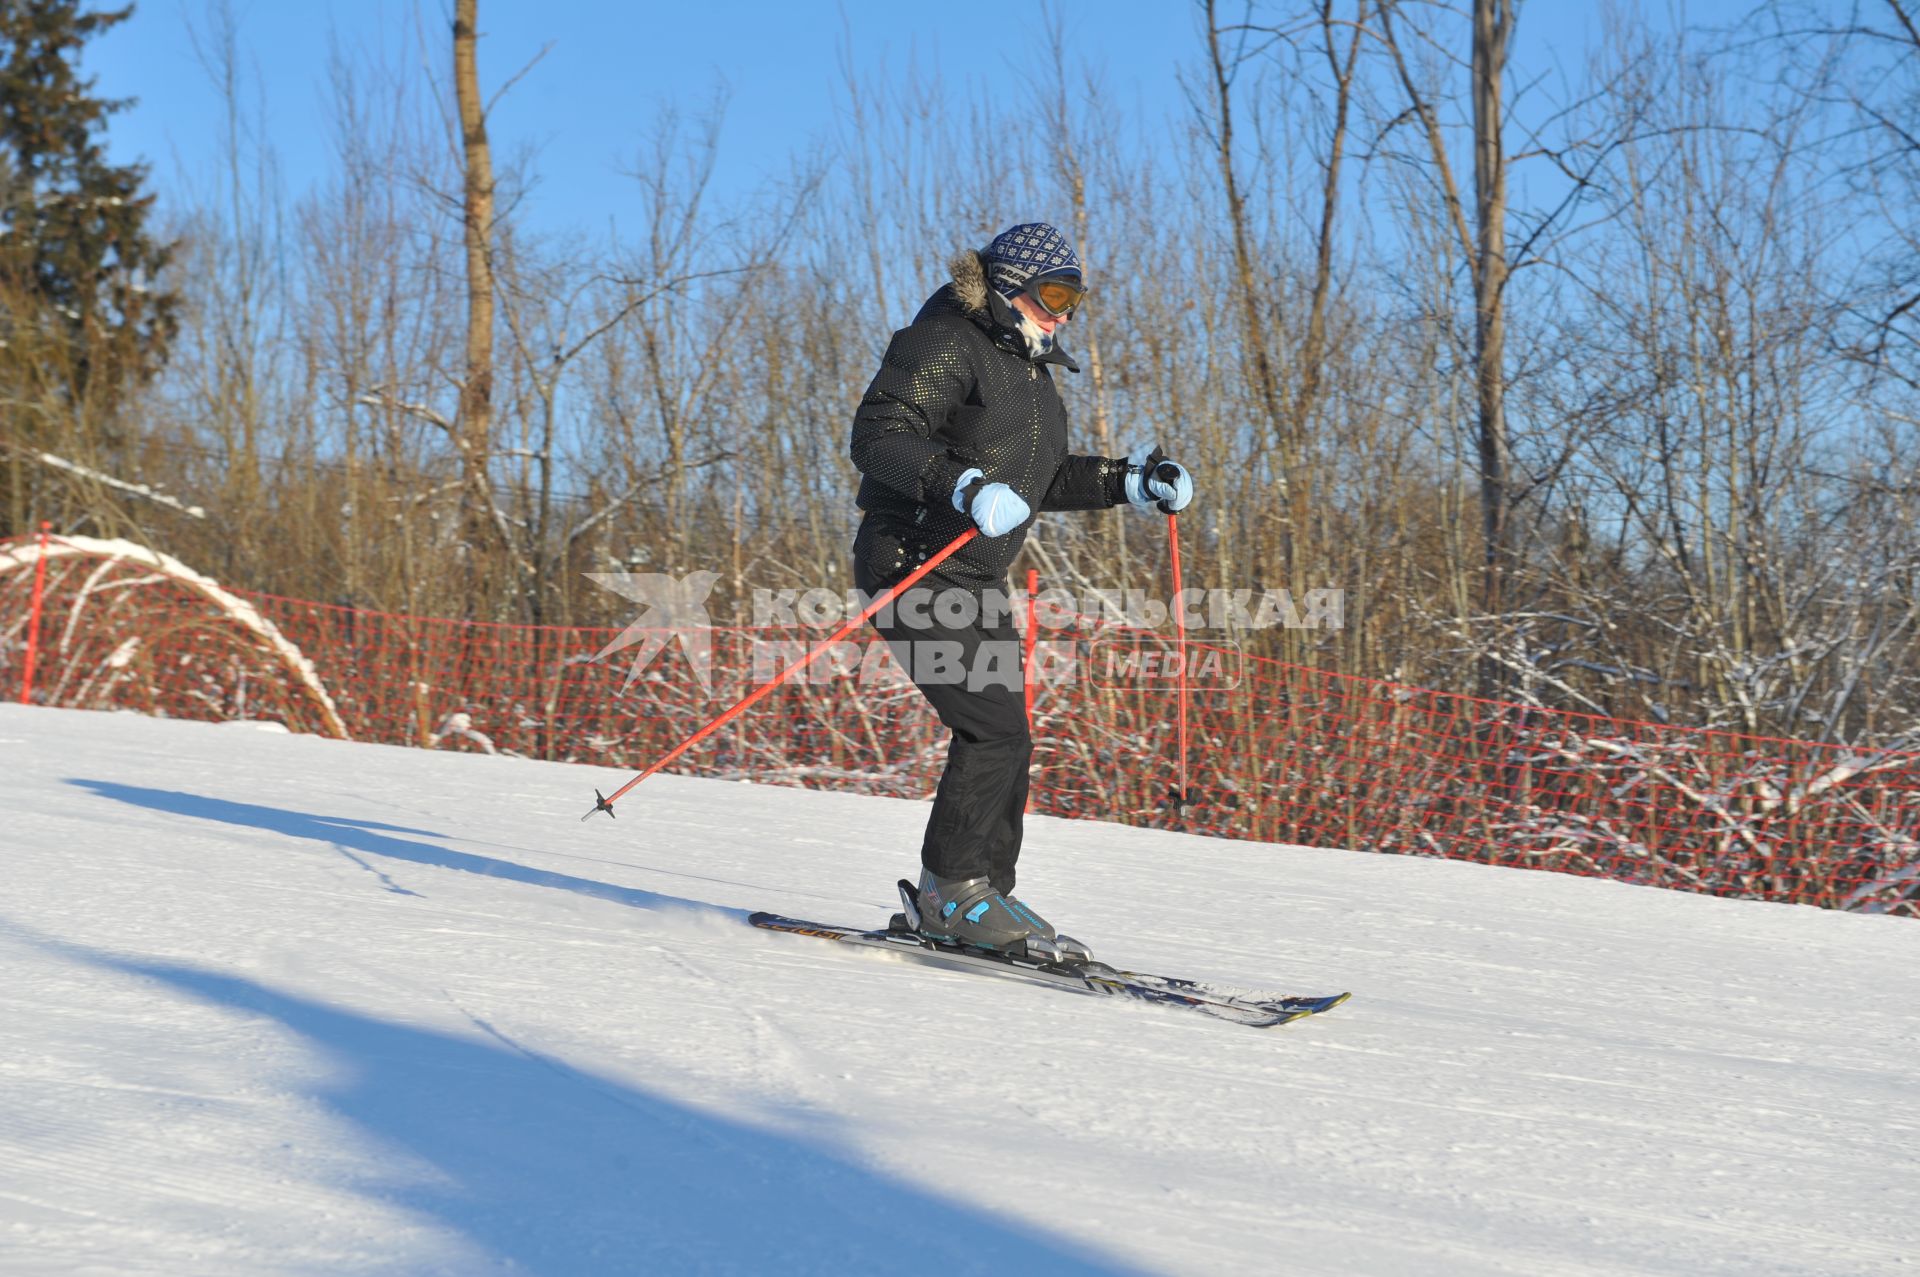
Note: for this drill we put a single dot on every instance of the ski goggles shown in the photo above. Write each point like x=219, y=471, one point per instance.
x=1057, y=296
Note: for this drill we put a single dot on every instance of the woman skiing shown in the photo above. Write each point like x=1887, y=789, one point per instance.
x=963, y=426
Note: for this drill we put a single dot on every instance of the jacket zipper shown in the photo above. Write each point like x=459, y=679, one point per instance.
x=1033, y=420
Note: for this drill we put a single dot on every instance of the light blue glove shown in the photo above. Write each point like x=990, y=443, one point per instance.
x=996, y=508
x=1154, y=480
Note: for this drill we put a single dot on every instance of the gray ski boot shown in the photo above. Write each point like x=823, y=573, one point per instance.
x=969, y=911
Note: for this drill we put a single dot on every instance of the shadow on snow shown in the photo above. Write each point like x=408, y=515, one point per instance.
x=558, y=1171
x=356, y=838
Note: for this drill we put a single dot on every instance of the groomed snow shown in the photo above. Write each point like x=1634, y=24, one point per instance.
x=280, y=1004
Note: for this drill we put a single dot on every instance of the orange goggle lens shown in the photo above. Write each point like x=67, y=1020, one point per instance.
x=1059, y=297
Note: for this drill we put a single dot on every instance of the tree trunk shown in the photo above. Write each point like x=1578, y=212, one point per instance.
x=474, y=429
x=1314, y=350
x=1492, y=24
x=1250, y=288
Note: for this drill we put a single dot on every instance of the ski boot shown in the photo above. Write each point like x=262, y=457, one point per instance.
x=968, y=911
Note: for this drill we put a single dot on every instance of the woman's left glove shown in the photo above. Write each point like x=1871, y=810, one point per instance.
x=1152, y=480
x=996, y=509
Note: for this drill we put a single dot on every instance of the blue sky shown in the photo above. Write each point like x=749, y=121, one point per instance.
x=591, y=101
x=585, y=108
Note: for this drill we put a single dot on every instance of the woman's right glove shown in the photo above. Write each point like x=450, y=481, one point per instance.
x=996, y=508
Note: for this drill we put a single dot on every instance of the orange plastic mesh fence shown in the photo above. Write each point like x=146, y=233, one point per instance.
x=1278, y=752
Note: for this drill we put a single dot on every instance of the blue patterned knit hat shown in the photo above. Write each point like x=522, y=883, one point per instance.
x=1021, y=252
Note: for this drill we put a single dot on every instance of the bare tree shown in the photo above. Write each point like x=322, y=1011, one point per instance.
x=473, y=429
x=1250, y=283
x=1492, y=24
x=1484, y=245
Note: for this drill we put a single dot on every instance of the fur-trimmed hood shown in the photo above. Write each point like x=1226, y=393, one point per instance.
x=969, y=280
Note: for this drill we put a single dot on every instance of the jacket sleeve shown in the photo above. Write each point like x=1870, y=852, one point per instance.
x=1087, y=483
x=924, y=377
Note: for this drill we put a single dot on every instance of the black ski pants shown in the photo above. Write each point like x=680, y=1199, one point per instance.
x=972, y=676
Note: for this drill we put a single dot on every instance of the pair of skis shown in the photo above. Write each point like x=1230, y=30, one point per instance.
x=1256, y=1010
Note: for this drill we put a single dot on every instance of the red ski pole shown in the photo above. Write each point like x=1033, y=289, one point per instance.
x=1032, y=641
x=606, y=804
x=1180, y=629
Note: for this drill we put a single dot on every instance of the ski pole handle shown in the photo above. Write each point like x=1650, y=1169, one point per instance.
x=758, y=693
x=1167, y=472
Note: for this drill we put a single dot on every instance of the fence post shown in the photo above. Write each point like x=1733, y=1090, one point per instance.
x=33, y=624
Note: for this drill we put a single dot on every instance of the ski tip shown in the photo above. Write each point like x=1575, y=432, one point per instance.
x=1285, y=1017
x=1306, y=1009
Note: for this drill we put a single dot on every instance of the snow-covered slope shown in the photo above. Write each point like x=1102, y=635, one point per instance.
x=276, y=1004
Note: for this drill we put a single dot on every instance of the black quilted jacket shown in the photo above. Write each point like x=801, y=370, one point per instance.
x=957, y=390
